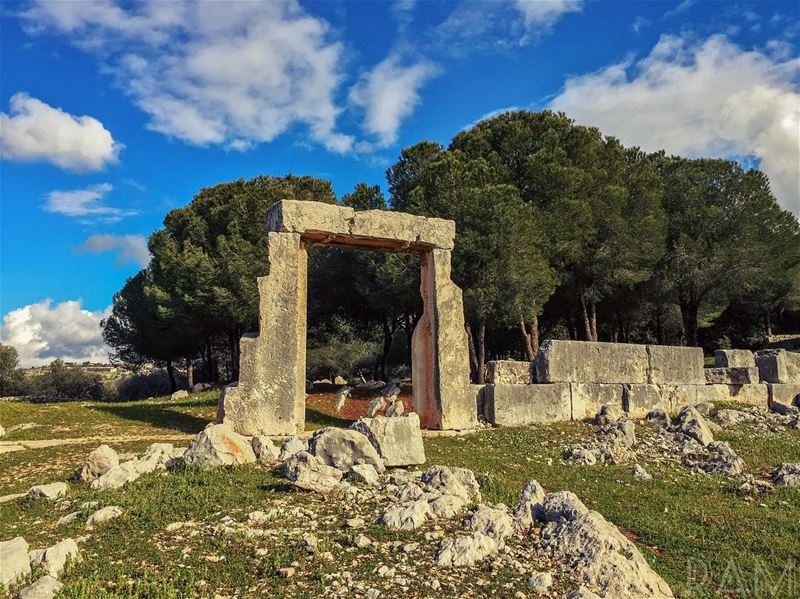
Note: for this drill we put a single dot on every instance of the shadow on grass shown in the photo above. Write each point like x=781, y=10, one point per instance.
x=158, y=417
x=317, y=419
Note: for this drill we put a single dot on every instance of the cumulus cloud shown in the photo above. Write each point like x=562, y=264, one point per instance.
x=127, y=248
x=42, y=332
x=86, y=203
x=545, y=13
x=35, y=131
x=388, y=93
x=228, y=73
x=709, y=98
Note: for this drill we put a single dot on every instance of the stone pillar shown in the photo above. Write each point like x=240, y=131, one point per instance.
x=440, y=362
x=270, y=396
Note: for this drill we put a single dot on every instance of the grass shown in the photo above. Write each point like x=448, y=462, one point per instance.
x=695, y=530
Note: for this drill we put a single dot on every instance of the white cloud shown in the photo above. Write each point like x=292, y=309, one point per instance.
x=545, y=13
x=490, y=115
x=710, y=98
x=86, y=203
x=35, y=131
x=389, y=93
x=227, y=73
x=128, y=248
x=40, y=333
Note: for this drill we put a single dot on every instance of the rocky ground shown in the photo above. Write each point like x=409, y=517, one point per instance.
x=236, y=517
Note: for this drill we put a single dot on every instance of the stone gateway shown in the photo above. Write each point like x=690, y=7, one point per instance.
x=269, y=398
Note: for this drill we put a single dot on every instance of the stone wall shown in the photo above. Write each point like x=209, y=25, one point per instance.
x=510, y=372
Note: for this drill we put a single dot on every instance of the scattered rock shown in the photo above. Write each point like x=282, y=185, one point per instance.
x=529, y=507
x=103, y=515
x=180, y=394
x=787, y=475
x=343, y=448
x=375, y=406
x=52, y=491
x=658, y=417
x=725, y=462
x=728, y=417
x=14, y=558
x=45, y=587
x=2, y=432
x=609, y=414
x=690, y=422
x=466, y=550
x=397, y=440
x=54, y=559
x=362, y=542
x=265, y=449
x=291, y=447
x=639, y=472
x=581, y=455
x=339, y=381
x=582, y=593
x=365, y=473
x=446, y=506
x=452, y=481
x=219, y=445
x=541, y=582
x=409, y=516
x=494, y=522
x=200, y=387
x=68, y=519
x=395, y=409
x=100, y=461
x=309, y=473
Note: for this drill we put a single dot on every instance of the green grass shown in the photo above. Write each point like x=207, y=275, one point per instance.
x=695, y=530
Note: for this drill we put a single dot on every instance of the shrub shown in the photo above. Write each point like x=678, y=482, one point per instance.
x=62, y=381
x=145, y=384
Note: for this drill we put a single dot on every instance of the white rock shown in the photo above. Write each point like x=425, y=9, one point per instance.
x=51, y=491
x=265, y=449
x=44, y=588
x=54, y=558
x=100, y=461
x=103, y=515
x=15, y=562
x=291, y=447
x=409, y=516
x=541, y=582
x=452, y=481
x=362, y=542
x=494, y=522
x=787, y=475
x=395, y=409
x=2, y=432
x=692, y=424
x=397, y=439
x=309, y=473
x=582, y=593
x=68, y=519
x=342, y=449
x=117, y=477
x=219, y=445
x=180, y=394
x=447, y=506
x=639, y=472
x=529, y=506
x=466, y=551
x=365, y=473
x=375, y=406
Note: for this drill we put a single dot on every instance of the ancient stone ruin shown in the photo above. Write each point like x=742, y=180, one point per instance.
x=269, y=398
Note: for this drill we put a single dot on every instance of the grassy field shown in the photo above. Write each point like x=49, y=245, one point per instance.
x=695, y=530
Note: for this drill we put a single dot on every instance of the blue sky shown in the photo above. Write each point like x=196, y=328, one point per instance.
x=114, y=113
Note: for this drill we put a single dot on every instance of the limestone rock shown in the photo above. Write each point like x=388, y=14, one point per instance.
x=291, y=447
x=118, y=476
x=725, y=462
x=467, y=550
x=509, y=372
x=639, y=400
x=675, y=365
x=731, y=376
x=734, y=358
x=639, y=472
x=520, y=405
x=365, y=473
x=68, y=519
x=408, y=516
x=376, y=405
x=54, y=558
x=728, y=417
x=494, y=522
x=395, y=409
x=609, y=414
x=2, y=432
x=787, y=475
x=658, y=417
x=541, y=582
x=103, y=516
x=783, y=397
x=219, y=445
x=452, y=481
x=589, y=398
x=264, y=449
x=596, y=552
x=529, y=507
x=446, y=506
x=52, y=491
x=343, y=448
x=308, y=472
x=45, y=587
x=586, y=362
x=100, y=461
x=14, y=558
x=200, y=387
x=339, y=380
x=398, y=440
x=692, y=424
x=180, y=394
x=582, y=593
x=778, y=366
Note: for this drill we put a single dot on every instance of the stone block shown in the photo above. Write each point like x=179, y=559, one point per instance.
x=734, y=358
x=675, y=365
x=519, y=405
x=509, y=372
x=731, y=376
x=588, y=362
x=398, y=440
x=297, y=216
x=588, y=398
x=756, y=394
x=677, y=396
x=778, y=366
x=408, y=228
x=476, y=391
x=783, y=396
x=639, y=399
x=712, y=393
x=14, y=561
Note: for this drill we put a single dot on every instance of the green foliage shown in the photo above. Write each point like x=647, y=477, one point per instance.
x=12, y=380
x=340, y=350
x=63, y=381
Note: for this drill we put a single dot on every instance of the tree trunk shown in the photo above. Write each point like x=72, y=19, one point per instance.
x=389, y=328
x=589, y=320
x=530, y=337
x=769, y=327
x=408, y=325
x=593, y=320
x=689, y=311
x=534, y=332
x=189, y=372
x=171, y=373
x=526, y=340
x=660, y=332
x=481, y=353
x=473, y=357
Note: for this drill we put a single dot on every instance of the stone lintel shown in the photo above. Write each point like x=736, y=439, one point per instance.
x=384, y=230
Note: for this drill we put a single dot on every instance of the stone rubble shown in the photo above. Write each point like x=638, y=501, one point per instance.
x=50, y=492
x=45, y=587
x=219, y=445
x=100, y=461
x=103, y=516
x=787, y=475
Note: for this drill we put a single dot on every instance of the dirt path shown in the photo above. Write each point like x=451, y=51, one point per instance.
x=10, y=446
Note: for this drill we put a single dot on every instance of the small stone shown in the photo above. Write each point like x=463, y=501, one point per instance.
x=291, y=447
x=100, y=461
x=51, y=491
x=310, y=542
x=372, y=593
x=15, y=561
x=286, y=572
x=409, y=516
x=103, y=515
x=362, y=542
x=355, y=523
x=219, y=445
x=45, y=587
x=365, y=473
x=466, y=551
x=787, y=475
x=541, y=582
x=265, y=449
x=180, y=394
x=68, y=519
x=639, y=472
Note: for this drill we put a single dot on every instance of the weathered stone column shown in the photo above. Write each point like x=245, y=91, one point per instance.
x=270, y=396
x=440, y=362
